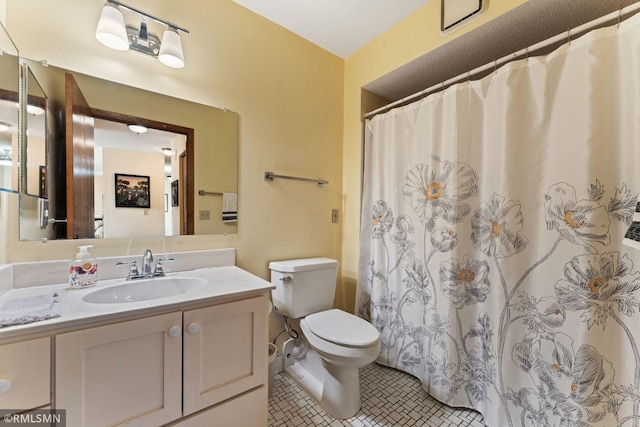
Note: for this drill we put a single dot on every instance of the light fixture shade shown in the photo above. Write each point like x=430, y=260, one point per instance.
x=171, y=53
x=35, y=109
x=111, y=30
x=137, y=129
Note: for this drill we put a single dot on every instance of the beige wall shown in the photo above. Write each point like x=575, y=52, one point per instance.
x=122, y=222
x=287, y=92
x=292, y=97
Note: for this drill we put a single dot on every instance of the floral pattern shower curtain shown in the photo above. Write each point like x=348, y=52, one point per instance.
x=493, y=219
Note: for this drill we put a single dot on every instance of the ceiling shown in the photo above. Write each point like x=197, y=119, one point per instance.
x=339, y=26
x=117, y=135
x=109, y=134
x=344, y=26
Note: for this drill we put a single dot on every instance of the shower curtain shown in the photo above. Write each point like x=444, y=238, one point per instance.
x=491, y=255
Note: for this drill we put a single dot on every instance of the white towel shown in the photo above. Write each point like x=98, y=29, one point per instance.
x=30, y=309
x=229, y=207
x=632, y=236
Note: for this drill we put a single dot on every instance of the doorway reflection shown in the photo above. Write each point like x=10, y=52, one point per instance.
x=155, y=154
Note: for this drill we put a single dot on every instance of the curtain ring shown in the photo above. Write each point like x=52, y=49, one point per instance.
x=619, y=16
x=468, y=76
x=569, y=35
x=526, y=51
x=495, y=66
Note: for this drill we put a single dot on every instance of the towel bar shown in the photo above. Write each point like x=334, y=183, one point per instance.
x=270, y=176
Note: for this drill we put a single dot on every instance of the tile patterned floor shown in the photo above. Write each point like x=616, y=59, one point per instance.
x=391, y=398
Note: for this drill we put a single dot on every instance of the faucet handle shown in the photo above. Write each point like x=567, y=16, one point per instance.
x=159, y=270
x=133, y=268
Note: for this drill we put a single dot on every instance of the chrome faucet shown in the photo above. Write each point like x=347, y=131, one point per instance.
x=147, y=264
x=150, y=267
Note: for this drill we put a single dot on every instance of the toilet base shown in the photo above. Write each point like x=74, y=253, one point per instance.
x=336, y=390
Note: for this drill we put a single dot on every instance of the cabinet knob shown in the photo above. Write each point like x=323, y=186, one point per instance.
x=5, y=385
x=193, y=328
x=175, y=331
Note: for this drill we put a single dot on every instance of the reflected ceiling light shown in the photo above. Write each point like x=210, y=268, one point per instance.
x=114, y=33
x=35, y=110
x=4, y=126
x=137, y=129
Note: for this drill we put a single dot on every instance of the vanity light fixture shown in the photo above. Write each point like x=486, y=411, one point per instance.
x=171, y=53
x=137, y=129
x=113, y=32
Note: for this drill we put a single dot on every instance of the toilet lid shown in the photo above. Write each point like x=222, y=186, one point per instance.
x=342, y=328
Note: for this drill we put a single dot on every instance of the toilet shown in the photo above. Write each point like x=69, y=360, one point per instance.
x=333, y=345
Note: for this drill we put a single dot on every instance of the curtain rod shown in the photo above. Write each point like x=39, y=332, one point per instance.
x=574, y=32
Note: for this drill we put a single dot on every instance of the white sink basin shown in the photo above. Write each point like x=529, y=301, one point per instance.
x=145, y=289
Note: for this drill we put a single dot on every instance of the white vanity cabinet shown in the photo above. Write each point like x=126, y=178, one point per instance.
x=25, y=374
x=208, y=364
x=225, y=352
x=124, y=372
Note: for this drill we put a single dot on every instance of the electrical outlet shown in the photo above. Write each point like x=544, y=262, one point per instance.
x=334, y=215
x=205, y=215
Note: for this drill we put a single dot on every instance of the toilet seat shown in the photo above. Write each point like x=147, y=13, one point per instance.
x=342, y=328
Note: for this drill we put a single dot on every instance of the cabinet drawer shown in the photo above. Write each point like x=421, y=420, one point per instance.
x=27, y=366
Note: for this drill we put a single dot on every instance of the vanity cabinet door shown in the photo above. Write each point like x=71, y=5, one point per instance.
x=25, y=373
x=128, y=372
x=225, y=352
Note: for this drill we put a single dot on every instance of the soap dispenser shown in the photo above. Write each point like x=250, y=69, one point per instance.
x=83, y=271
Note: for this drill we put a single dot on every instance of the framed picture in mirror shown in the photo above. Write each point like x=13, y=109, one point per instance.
x=42, y=182
x=174, y=193
x=132, y=191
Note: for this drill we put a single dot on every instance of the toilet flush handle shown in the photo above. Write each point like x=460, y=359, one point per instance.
x=286, y=279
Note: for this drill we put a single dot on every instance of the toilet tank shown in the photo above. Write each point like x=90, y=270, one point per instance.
x=303, y=286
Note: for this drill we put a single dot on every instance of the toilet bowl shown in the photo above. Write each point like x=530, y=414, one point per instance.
x=332, y=345
x=341, y=338
x=327, y=368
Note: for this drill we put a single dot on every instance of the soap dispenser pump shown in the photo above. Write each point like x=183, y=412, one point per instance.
x=83, y=271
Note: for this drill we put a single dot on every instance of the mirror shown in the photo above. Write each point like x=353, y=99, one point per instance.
x=36, y=137
x=186, y=185
x=9, y=113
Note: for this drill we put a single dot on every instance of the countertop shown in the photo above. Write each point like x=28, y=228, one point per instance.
x=223, y=283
